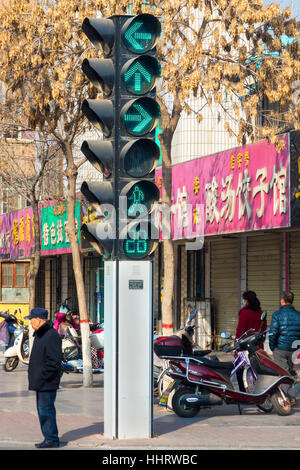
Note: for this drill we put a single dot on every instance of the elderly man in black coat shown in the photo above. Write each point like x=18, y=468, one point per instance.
x=44, y=373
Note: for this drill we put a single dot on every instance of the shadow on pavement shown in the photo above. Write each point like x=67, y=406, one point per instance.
x=78, y=382
x=21, y=393
x=75, y=434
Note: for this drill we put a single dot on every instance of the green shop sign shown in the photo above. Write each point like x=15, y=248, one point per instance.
x=54, y=225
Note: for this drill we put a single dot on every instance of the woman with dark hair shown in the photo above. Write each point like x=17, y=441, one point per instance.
x=249, y=317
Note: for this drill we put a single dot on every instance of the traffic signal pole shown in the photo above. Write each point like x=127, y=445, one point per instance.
x=127, y=157
x=128, y=370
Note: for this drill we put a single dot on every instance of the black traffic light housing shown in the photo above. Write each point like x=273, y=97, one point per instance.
x=127, y=117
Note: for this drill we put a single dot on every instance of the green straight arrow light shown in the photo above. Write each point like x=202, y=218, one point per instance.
x=138, y=72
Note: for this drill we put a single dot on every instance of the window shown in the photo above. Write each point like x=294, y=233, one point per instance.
x=11, y=201
x=20, y=275
x=14, y=275
x=7, y=275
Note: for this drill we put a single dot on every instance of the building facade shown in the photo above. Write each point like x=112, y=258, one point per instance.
x=245, y=202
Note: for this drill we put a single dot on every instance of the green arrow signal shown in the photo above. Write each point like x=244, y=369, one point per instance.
x=133, y=36
x=138, y=72
x=142, y=117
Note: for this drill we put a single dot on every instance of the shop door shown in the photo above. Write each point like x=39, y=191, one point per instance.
x=264, y=270
x=225, y=285
x=294, y=259
x=40, y=285
x=55, y=285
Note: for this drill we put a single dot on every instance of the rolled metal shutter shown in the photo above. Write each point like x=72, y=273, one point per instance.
x=264, y=270
x=294, y=271
x=225, y=284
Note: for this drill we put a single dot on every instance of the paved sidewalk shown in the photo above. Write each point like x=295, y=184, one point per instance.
x=80, y=422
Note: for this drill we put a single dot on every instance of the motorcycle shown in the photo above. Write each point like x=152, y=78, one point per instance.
x=18, y=348
x=201, y=382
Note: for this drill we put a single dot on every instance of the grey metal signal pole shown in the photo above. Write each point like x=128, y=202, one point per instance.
x=128, y=371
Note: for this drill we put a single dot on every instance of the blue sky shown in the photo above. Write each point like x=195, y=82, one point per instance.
x=294, y=4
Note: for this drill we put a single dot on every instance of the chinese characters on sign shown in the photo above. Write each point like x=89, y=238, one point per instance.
x=17, y=234
x=242, y=189
x=54, y=228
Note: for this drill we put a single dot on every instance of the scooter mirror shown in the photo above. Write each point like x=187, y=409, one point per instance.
x=225, y=335
x=192, y=315
x=263, y=315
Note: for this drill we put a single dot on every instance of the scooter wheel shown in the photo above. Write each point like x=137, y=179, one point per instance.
x=182, y=409
x=249, y=384
x=281, y=403
x=11, y=363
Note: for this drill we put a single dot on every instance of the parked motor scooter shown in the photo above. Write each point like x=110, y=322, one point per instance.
x=181, y=339
x=65, y=318
x=18, y=349
x=72, y=355
x=200, y=382
x=8, y=326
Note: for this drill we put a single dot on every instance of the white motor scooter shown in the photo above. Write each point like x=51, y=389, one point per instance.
x=19, y=351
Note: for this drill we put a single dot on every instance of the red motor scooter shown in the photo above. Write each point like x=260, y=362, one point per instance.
x=200, y=382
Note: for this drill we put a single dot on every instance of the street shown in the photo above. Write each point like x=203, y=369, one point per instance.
x=80, y=422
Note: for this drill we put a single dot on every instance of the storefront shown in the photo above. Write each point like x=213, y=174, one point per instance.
x=93, y=266
x=94, y=284
x=245, y=203
x=294, y=265
x=16, y=247
x=56, y=251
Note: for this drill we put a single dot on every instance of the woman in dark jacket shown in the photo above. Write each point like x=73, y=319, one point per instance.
x=249, y=317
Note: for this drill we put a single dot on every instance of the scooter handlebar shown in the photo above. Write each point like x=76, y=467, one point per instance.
x=236, y=343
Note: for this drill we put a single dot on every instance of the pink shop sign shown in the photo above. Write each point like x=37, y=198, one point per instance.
x=242, y=189
x=17, y=234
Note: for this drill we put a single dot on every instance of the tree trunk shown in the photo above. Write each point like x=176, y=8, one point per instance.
x=167, y=302
x=35, y=265
x=169, y=124
x=73, y=236
x=168, y=247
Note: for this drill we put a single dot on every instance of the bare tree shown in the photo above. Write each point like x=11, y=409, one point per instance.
x=24, y=169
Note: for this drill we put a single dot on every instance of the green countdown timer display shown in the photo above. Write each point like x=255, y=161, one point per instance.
x=141, y=116
x=139, y=76
x=137, y=245
x=141, y=34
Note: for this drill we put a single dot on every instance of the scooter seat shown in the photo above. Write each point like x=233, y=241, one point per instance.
x=201, y=353
x=216, y=364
